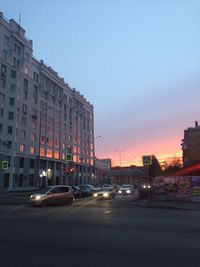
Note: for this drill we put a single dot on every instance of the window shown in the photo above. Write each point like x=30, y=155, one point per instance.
x=21, y=162
x=24, y=121
x=25, y=88
x=23, y=134
x=11, y=115
x=33, y=137
x=5, y=54
x=2, y=98
x=32, y=164
x=32, y=150
x=13, y=74
x=1, y=127
x=35, y=91
x=18, y=50
x=10, y=129
x=21, y=147
x=9, y=144
x=12, y=87
x=14, y=61
x=26, y=70
x=33, y=124
x=27, y=57
x=35, y=77
x=64, y=146
x=18, y=64
x=12, y=101
x=1, y=112
x=6, y=40
x=24, y=107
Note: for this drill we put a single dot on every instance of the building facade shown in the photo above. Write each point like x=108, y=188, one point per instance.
x=46, y=127
x=103, y=167
x=134, y=175
x=191, y=146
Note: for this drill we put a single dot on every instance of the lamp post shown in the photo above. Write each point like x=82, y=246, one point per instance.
x=120, y=152
x=95, y=168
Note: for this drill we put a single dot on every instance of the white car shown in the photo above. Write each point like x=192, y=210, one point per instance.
x=105, y=193
x=125, y=189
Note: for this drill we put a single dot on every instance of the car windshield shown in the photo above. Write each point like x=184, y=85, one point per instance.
x=125, y=186
x=42, y=191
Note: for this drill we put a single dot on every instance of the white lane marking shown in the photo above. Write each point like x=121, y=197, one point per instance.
x=107, y=211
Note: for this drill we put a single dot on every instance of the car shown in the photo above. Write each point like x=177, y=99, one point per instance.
x=76, y=191
x=59, y=194
x=105, y=193
x=125, y=189
x=87, y=190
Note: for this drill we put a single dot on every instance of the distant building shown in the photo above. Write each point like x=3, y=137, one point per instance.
x=191, y=146
x=128, y=175
x=103, y=167
x=46, y=127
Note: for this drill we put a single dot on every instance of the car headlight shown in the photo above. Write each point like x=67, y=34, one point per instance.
x=119, y=191
x=95, y=195
x=128, y=191
x=31, y=196
x=105, y=194
x=38, y=197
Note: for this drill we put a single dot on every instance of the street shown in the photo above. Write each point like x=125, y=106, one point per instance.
x=98, y=233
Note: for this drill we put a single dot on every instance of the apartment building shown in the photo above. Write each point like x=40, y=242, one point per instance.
x=46, y=127
x=191, y=146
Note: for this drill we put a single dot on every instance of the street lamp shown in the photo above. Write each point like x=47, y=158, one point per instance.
x=120, y=151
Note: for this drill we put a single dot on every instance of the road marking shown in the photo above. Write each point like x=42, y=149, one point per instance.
x=107, y=211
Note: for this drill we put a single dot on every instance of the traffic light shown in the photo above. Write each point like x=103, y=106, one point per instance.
x=69, y=170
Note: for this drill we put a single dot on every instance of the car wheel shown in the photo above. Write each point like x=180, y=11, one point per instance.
x=44, y=203
x=70, y=200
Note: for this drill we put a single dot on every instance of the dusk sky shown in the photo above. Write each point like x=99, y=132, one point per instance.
x=137, y=62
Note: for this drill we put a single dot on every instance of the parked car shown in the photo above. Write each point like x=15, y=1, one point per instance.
x=52, y=195
x=76, y=191
x=125, y=189
x=105, y=193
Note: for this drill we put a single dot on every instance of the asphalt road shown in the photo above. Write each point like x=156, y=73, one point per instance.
x=98, y=233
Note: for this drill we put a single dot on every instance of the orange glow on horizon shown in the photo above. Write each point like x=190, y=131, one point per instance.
x=138, y=160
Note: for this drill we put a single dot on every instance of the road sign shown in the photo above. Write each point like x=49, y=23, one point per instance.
x=147, y=160
x=69, y=157
x=4, y=165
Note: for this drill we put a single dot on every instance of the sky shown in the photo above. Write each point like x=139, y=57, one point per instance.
x=136, y=62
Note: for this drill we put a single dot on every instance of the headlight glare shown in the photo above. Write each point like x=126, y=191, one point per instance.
x=95, y=195
x=119, y=191
x=128, y=191
x=105, y=194
x=38, y=197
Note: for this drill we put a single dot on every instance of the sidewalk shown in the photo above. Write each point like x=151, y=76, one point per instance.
x=164, y=204
x=15, y=197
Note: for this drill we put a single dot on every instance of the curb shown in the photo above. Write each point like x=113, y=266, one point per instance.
x=168, y=206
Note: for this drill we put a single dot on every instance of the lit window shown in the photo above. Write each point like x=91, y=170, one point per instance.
x=64, y=146
x=42, y=153
x=33, y=137
x=21, y=148
x=32, y=150
x=63, y=156
x=56, y=154
x=49, y=153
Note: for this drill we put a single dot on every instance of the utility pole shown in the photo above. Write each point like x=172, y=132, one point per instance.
x=120, y=158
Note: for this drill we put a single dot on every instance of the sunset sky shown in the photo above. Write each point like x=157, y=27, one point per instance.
x=137, y=62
